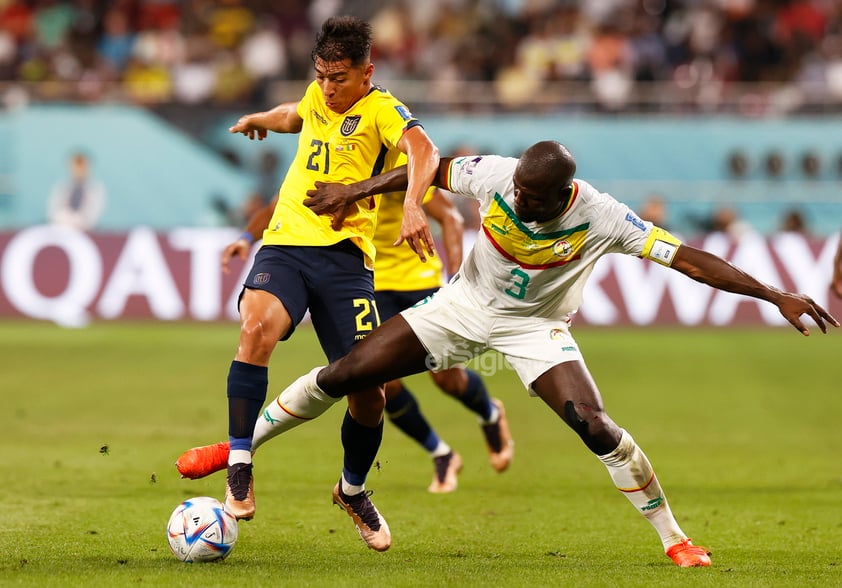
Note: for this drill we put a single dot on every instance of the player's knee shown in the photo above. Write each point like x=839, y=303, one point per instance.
x=256, y=342
x=392, y=389
x=594, y=427
x=367, y=406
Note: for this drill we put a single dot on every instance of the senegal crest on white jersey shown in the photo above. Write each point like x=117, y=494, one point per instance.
x=540, y=269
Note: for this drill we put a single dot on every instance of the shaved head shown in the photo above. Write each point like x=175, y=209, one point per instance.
x=547, y=165
x=543, y=181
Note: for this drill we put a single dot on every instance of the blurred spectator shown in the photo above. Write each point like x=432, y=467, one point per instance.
x=738, y=164
x=654, y=210
x=117, y=41
x=79, y=200
x=726, y=220
x=774, y=164
x=233, y=49
x=811, y=165
x=793, y=221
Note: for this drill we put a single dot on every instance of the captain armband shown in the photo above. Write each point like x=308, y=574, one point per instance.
x=660, y=247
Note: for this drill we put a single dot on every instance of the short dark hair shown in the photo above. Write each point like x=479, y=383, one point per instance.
x=343, y=37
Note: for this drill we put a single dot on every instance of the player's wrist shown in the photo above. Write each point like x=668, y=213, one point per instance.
x=247, y=237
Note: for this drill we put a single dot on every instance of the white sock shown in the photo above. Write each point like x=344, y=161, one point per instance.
x=350, y=489
x=239, y=456
x=633, y=476
x=300, y=402
x=441, y=449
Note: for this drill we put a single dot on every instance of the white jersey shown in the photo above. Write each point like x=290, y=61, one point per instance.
x=540, y=269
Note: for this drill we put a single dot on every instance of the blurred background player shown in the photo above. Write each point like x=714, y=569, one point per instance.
x=400, y=280
x=346, y=126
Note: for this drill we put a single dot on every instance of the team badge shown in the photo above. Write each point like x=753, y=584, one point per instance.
x=556, y=334
x=349, y=125
x=562, y=248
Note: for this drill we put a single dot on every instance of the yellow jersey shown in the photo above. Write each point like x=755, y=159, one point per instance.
x=338, y=148
x=398, y=268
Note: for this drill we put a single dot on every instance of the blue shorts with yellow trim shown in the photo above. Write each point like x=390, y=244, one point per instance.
x=331, y=281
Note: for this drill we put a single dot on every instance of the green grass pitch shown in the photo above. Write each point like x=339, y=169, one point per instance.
x=742, y=426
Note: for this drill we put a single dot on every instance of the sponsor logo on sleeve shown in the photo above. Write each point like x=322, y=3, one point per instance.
x=467, y=165
x=635, y=221
x=403, y=111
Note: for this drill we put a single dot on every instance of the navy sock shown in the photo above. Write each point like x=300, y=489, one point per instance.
x=475, y=397
x=361, y=445
x=404, y=412
x=247, y=385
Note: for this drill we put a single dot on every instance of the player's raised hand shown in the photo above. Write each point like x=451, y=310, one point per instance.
x=335, y=200
x=250, y=126
x=415, y=230
x=792, y=306
x=240, y=248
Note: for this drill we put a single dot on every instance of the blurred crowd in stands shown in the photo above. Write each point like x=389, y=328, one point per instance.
x=236, y=51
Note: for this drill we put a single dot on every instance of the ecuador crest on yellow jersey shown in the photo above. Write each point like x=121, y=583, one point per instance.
x=338, y=148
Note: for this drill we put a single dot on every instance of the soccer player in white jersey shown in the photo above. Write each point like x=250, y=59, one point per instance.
x=542, y=233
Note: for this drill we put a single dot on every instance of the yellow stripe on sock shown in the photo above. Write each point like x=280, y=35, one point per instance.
x=636, y=489
x=290, y=413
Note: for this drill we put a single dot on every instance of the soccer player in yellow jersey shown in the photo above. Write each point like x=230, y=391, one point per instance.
x=401, y=280
x=346, y=127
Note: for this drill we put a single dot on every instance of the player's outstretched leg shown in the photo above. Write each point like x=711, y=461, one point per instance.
x=301, y=401
x=633, y=476
x=199, y=462
x=403, y=410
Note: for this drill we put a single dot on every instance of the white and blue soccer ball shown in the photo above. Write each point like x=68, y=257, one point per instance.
x=201, y=530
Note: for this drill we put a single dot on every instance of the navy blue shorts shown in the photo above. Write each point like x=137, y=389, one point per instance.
x=391, y=302
x=332, y=281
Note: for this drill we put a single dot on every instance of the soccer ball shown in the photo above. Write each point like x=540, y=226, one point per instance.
x=200, y=530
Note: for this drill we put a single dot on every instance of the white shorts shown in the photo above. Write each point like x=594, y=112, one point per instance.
x=453, y=331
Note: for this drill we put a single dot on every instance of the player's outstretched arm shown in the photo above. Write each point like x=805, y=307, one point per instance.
x=281, y=119
x=716, y=272
x=422, y=167
x=334, y=199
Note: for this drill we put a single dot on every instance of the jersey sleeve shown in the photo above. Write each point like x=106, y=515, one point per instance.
x=303, y=107
x=393, y=120
x=635, y=236
x=479, y=176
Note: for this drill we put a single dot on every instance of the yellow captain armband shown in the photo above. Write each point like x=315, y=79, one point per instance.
x=661, y=246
